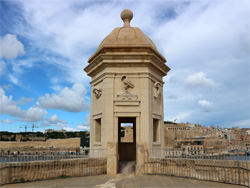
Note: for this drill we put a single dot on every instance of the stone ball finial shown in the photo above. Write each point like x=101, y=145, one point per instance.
x=126, y=16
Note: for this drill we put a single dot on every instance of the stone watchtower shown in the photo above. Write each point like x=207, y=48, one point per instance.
x=127, y=88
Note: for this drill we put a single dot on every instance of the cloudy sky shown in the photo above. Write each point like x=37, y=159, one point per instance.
x=45, y=44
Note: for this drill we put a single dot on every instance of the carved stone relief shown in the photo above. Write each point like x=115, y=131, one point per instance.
x=127, y=96
x=97, y=92
x=127, y=84
x=157, y=89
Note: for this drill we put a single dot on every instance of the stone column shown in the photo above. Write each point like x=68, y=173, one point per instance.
x=146, y=120
x=112, y=158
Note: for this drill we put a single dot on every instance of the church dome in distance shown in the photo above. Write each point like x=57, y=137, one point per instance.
x=127, y=36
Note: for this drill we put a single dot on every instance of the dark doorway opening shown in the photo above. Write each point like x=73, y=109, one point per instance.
x=126, y=144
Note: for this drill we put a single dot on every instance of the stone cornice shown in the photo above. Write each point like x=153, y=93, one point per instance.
x=104, y=75
x=131, y=48
x=132, y=59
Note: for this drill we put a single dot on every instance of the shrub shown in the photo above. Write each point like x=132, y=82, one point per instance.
x=22, y=180
x=63, y=176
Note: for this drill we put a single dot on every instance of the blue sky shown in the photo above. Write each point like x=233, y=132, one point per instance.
x=46, y=44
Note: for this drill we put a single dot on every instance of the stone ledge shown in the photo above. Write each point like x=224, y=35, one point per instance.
x=127, y=103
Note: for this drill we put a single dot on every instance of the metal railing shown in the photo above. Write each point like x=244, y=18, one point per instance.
x=24, y=168
x=233, y=169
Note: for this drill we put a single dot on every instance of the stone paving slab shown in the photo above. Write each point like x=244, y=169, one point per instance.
x=123, y=181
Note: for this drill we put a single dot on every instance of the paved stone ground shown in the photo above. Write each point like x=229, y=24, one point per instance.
x=122, y=181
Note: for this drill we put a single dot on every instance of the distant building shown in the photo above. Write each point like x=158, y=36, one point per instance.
x=192, y=150
x=58, y=131
x=173, y=152
x=7, y=137
x=19, y=138
x=128, y=134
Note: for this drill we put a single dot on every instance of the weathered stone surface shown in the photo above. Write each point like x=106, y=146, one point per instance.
x=235, y=172
x=140, y=159
x=39, y=170
x=122, y=180
x=112, y=158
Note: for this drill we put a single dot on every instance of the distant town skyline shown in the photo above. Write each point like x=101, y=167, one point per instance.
x=46, y=44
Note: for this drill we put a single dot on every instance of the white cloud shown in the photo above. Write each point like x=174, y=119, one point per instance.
x=180, y=117
x=82, y=127
x=56, y=87
x=45, y=124
x=9, y=107
x=206, y=105
x=69, y=99
x=85, y=124
x=25, y=101
x=34, y=113
x=199, y=79
x=11, y=47
x=13, y=79
x=55, y=84
x=54, y=120
x=8, y=121
x=20, y=66
x=242, y=123
x=70, y=129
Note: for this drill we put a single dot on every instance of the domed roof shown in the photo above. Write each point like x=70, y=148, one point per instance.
x=126, y=35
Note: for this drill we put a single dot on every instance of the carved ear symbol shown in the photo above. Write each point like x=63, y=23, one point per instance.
x=97, y=92
x=157, y=85
x=124, y=77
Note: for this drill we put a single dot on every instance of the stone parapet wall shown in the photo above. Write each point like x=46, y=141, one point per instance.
x=227, y=171
x=13, y=172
